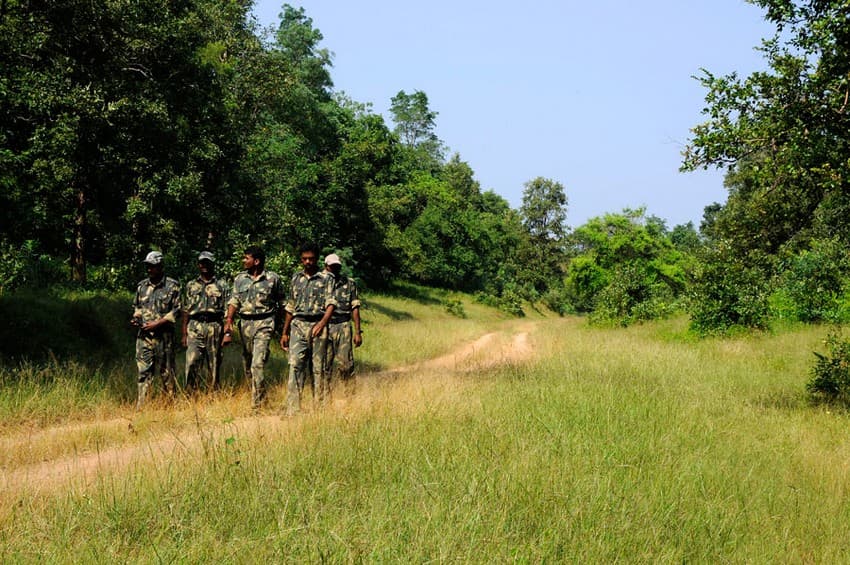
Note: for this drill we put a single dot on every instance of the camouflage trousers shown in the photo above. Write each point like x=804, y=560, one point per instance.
x=339, y=356
x=256, y=336
x=306, y=357
x=203, y=353
x=155, y=354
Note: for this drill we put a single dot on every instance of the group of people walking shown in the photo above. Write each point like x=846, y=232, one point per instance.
x=317, y=314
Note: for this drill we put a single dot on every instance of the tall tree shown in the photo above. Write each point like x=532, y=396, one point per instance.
x=415, y=124
x=783, y=134
x=544, y=210
x=115, y=135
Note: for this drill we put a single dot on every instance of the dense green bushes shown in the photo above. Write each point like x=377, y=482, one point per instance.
x=830, y=375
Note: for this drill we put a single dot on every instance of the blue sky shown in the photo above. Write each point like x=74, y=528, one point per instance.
x=596, y=95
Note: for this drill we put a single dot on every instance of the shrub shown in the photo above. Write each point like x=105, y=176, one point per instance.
x=632, y=296
x=557, y=300
x=509, y=302
x=814, y=282
x=584, y=281
x=454, y=307
x=24, y=266
x=830, y=380
x=728, y=291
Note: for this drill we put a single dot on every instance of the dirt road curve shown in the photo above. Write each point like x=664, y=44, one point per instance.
x=85, y=468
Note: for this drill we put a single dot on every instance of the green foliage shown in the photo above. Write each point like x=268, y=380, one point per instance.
x=585, y=279
x=415, y=125
x=116, y=133
x=814, y=282
x=26, y=267
x=830, y=375
x=633, y=295
x=625, y=268
x=509, y=301
x=782, y=134
x=544, y=210
x=727, y=292
x=557, y=299
x=454, y=306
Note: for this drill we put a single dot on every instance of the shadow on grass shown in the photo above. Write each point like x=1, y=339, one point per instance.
x=91, y=327
x=396, y=315
x=420, y=294
x=366, y=367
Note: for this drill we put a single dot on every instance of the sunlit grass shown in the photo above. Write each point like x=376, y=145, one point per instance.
x=637, y=444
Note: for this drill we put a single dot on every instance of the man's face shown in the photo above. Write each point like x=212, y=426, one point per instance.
x=335, y=268
x=206, y=267
x=154, y=271
x=248, y=262
x=309, y=261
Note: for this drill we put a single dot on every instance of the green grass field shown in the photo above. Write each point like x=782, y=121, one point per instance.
x=638, y=444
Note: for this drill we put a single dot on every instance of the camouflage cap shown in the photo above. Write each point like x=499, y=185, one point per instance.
x=206, y=256
x=332, y=259
x=153, y=258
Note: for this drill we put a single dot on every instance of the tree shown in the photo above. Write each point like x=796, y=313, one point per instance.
x=544, y=209
x=415, y=124
x=461, y=179
x=115, y=135
x=783, y=134
x=624, y=266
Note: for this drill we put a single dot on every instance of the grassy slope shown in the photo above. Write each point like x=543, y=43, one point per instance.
x=634, y=444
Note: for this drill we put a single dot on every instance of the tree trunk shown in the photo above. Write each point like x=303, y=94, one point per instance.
x=78, y=239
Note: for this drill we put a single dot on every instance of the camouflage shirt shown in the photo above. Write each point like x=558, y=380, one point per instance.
x=344, y=292
x=256, y=296
x=155, y=301
x=310, y=296
x=202, y=297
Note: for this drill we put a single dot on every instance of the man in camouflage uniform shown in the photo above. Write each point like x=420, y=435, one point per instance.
x=308, y=310
x=155, y=310
x=204, y=302
x=256, y=296
x=339, y=357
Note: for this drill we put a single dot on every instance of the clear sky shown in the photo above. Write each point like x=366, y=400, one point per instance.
x=598, y=95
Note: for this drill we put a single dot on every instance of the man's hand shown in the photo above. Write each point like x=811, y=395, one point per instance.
x=317, y=329
x=284, y=342
x=358, y=339
x=151, y=326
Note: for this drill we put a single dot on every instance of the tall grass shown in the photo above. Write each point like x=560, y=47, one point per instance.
x=635, y=444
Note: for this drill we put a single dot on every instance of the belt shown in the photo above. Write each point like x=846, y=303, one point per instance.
x=340, y=318
x=262, y=316
x=207, y=317
x=309, y=317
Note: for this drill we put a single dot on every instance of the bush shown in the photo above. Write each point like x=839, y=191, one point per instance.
x=632, y=296
x=728, y=292
x=509, y=302
x=24, y=266
x=585, y=280
x=454, y=307
x=814, y=281
x=830, y=379
x=557, y=300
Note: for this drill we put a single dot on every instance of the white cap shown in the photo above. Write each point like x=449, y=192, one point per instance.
x=153, y=258
x=332, y=259
x=206, y=256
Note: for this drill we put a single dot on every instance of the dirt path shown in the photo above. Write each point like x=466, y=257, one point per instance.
x=187, y=441
x=489, y=350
